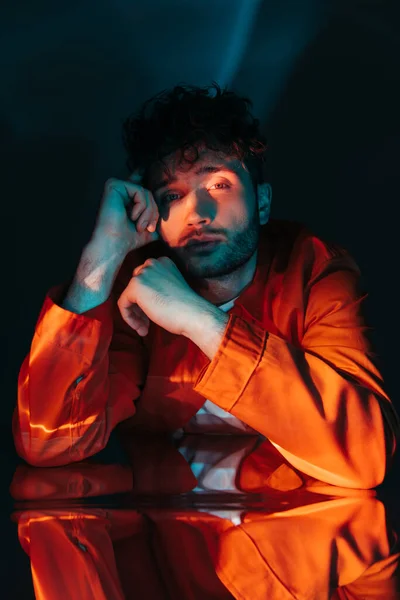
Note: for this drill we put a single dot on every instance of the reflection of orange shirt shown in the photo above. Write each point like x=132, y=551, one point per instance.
x=284, y=536
x=339, y=549
x=294, y=364
x=298, y=538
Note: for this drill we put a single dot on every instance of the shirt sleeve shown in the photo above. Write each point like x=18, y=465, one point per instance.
x=81, y=378
x=321, y=404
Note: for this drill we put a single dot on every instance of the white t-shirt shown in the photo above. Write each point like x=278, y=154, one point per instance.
x=214, y=472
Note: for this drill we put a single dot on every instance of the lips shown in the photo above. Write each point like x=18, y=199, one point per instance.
x=203, y=240
x=199, y=248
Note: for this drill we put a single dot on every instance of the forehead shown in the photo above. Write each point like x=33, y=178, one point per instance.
x=173, y=167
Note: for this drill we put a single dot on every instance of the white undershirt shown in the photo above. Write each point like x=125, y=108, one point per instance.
x=212, y=472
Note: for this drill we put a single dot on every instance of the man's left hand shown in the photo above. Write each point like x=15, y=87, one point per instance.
x=158, y=292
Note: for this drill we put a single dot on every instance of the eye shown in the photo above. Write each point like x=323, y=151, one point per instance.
x=220, y=183
x=171, y=197
x=168, y=198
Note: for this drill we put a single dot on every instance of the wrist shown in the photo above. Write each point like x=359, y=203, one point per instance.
x=99, y=264
x=104, y=245
x=94, y=278
x=206, y=328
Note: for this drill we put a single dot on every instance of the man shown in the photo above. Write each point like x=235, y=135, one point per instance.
x=192, y=310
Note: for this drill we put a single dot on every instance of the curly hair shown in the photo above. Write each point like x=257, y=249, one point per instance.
x=186, y=116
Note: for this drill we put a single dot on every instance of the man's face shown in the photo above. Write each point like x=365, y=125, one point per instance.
x=213, y=197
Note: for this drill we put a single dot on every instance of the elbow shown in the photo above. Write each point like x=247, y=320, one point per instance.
x=51, y=452
x=54, y=449
x=37, y=451
x=40, y=455
x=374, y=460
x=370, y=454
x=354, y=474
x=369, y=479
x=380, y=462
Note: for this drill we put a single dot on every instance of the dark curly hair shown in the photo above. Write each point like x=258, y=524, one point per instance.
x=179, y=119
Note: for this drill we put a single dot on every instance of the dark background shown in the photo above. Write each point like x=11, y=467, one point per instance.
x=324, y=77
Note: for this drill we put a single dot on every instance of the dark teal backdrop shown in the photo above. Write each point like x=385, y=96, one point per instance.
x=325, y=80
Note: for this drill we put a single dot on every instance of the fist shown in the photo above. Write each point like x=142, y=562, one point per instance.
x=158, y=292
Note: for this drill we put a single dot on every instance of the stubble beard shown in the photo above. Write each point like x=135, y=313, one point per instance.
x=227, y=258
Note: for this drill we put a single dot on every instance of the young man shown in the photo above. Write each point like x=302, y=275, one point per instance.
x=192, y=310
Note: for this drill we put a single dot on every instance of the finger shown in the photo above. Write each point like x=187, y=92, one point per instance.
x=141, y=327
x=140, y=320
x=143, y=330
x=137, y=270
x=152, y=227
x=155, y=216
x=141, y=202
x=137, y=175
x=146, y=217
x=153, y=224
x=133, y=315
x=125, y=189
x=147, y=263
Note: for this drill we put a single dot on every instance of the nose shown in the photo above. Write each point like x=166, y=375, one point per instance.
x=201, y=209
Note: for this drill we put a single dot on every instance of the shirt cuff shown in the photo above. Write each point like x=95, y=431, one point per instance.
x=101, y=312
x=86, y=334
x=224, y=379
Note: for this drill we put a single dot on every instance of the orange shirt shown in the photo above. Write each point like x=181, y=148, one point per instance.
x=295, y=365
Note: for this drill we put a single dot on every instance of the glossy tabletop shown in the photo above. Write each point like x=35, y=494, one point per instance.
x=199, y=517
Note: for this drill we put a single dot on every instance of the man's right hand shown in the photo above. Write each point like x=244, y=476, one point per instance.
x=128, y=214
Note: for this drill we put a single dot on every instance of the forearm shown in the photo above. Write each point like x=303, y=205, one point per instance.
x=329, y=421
x=95, y=276
x=79, y=380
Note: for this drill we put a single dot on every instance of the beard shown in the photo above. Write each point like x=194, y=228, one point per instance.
x=225, y=258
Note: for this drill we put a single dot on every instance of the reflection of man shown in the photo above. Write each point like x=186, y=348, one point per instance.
x=184, y=533
x=192, y=310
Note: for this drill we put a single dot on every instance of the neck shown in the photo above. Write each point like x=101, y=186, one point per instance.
x=219, y=290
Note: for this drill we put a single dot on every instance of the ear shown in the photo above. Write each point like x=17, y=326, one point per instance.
x=264, y=196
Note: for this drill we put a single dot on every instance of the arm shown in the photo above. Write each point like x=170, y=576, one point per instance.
x=322, y=405
x=84, y=370
x=71, y=551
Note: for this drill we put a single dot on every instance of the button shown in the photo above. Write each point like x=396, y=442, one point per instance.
x=82, y=546
x=79, y=544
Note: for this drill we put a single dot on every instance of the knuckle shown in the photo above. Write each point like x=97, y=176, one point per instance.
x=148, y=204
x=139, y=204
x=141, y=196
x=149, y=198
x=136, y=176
x=110, y=183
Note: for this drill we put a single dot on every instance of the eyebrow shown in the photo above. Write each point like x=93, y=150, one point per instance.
x=200, y=171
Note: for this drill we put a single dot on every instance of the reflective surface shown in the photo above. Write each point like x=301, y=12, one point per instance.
x=196, y=518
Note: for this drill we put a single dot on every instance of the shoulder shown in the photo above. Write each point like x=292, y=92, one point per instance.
x=293, y=243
